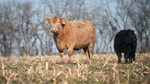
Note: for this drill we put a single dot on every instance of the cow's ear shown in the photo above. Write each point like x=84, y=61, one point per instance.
x=47, y=21
x=63, y=21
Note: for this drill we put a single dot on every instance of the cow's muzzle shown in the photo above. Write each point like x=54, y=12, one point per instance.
x=54, y=31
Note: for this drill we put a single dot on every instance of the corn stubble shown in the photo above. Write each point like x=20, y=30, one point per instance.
x=50, y=70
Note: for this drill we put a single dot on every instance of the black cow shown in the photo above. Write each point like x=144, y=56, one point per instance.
x=125, y=42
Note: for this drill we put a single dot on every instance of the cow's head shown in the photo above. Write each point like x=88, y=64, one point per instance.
x=56, y=23
x=132, y=35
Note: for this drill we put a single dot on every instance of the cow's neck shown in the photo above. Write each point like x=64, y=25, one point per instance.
x=60, y=34
x=64, y=32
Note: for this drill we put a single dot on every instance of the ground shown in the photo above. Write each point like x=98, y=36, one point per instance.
x=49, y=70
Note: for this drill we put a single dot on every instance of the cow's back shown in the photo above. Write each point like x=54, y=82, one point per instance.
x=83, y=26
x=123, y=39
x=84, y=31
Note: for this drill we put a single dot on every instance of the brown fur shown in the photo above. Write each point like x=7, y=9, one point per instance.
x=73, y=35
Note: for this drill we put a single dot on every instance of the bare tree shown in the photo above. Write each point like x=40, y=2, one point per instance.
x=19, y=30
x=7, y=32
x=139, y=13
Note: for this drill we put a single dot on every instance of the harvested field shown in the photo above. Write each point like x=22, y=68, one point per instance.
x=50, y=70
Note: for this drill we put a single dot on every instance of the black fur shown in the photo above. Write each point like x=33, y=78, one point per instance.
x=125, y=42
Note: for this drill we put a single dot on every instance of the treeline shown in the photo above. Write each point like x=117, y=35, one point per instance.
x=23, y=32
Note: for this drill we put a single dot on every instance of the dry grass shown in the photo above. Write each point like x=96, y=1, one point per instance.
x=48, y=70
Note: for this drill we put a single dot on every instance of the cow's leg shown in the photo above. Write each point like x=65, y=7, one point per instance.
x=130, y=60
x=119, y=56
x=70, y=52
x=134, y=57
x=61, y=55
x=85, y=49
x=131, y=57
x=90, y=52
x=132, y=54
x=127, y=55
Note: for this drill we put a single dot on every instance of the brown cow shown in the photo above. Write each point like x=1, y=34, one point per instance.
x=73, y=35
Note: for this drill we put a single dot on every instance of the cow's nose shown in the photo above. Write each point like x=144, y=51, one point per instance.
x=53, y=31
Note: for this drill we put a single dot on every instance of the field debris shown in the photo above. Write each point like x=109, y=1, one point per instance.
x=46, y=69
